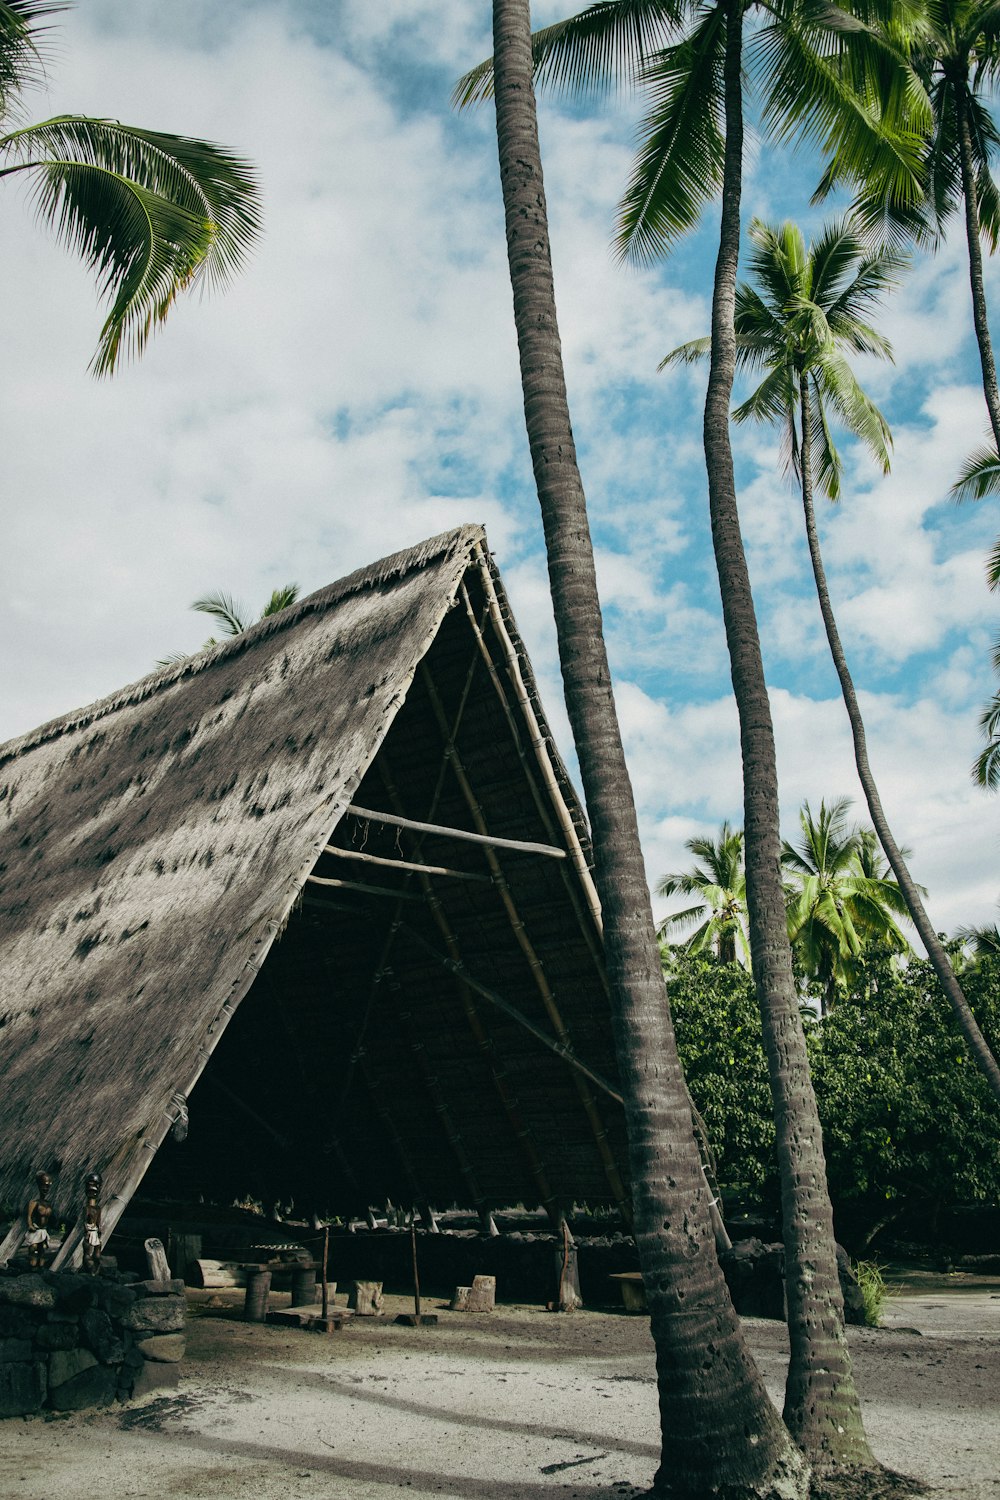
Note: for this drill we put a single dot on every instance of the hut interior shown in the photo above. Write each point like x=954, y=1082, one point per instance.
x=326, y=893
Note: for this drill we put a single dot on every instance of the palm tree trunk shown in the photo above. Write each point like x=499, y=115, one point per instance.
x=976, y=1042
x=821, y=1404
x=975, y=244
x=719, y=1427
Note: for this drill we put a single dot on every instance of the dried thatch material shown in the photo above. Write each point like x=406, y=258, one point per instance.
x=153, y=848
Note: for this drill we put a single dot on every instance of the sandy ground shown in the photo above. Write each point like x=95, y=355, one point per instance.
x=517, y=1405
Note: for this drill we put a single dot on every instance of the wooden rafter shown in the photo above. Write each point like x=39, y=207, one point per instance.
x=517, y=845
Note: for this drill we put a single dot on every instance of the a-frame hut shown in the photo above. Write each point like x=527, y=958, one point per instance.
x=325, y=890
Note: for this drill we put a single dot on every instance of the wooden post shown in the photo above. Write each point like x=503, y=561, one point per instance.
x=416, y=1274
x=258, y=1292
x=326, y=1257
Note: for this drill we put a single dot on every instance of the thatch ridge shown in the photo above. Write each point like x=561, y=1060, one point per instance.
x=408, y=560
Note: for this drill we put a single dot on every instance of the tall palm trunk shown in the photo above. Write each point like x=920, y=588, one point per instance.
x=972, y=234
x=821, y=1403
x=977, y=1043
x=719, y=1427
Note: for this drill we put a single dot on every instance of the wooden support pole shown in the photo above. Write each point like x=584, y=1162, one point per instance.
x=598, y=1131
x=519, y=846
x=357, y=885
x=403, y=864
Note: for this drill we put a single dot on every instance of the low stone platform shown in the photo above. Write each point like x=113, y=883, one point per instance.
x=69, y=1341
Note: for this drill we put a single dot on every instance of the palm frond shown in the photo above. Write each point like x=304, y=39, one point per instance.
x=691, y=353
x=678, y=168
x=22, y=47
x=605, y=46
x=855, y=96
x=980, y=477
x=993, y=567
x=150, y=214
x=280, y=599
x=857, y=410
x=230, y=613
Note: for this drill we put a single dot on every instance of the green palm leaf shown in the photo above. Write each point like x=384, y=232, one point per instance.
x=21, y=50
x=679, y=166
x=605, y=46
x=980, y=477
x=150, y=213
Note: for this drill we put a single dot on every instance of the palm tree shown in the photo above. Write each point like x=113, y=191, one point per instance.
x=719, y=1429
x=840, y=900
x=720, y=884
x=984, y=941
x=151, y=214
x=810, y=307
x=691, y=147
x=232, y=617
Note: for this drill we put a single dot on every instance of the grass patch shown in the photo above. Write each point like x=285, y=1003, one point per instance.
x=873, y=1289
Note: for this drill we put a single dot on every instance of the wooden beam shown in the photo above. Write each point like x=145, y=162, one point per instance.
x=490, y=840
x=357, y=885
x=559, y=1048
x=405, y=864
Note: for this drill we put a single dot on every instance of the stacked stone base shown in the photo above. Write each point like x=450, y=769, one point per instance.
x=70, y=1341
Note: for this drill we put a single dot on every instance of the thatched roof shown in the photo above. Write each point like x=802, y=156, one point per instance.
x=164, y=935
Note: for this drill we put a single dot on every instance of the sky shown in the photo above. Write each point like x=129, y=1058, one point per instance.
x=355, y=390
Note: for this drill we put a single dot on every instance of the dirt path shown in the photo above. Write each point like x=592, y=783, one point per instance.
x=520, y=1405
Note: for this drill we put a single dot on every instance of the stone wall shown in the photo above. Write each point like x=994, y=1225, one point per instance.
x=69, y=1341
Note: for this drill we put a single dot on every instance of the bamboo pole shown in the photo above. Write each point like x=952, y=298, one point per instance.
x=403, y=864
x=597, y=1127
x=588, y=912
x=539, y=743
x=519, y=846
x=357, y=885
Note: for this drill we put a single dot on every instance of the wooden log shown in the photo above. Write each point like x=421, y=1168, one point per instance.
x=365, y=1298
x=405, y=864
x=217, y=1275
x=310, y=1316
x=258, y=1293
x=304, y=1285
x=156, y=1257
x=488, y=840
x=482, y=1294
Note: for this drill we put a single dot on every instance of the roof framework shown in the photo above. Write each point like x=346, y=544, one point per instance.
x=328, y=887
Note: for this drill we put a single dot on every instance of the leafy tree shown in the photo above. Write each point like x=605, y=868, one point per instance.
x=839, y=904
x=691, y=147
x=717, y=1021
x=719, y=1429
x=908, y=1121
x=151, y=214
x=721, y=886
x=232, y=617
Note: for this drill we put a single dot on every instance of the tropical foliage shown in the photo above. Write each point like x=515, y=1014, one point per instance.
x=908, y=1122
x=841, y=902
x=720, y=884
x=150, y=214
x=232, y=617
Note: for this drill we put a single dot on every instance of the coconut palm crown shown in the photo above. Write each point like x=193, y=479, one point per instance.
x=720, y=884
x=806, y=306
x=841, y=898
x=150, y=214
